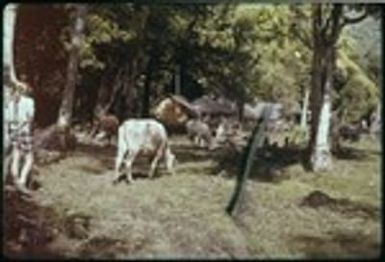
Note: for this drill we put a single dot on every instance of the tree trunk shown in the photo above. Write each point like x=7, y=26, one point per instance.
x=129, y=91
x=240, y=107
x=106, y=96
x=335, y=126
x=65, y=112
x=375, y=122
x=321, y=155
x=147, y=90
x=322, y=80
x=10, y=13
x=305, y=106
x=177, y=80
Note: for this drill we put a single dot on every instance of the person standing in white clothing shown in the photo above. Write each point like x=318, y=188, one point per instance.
x=20, y=113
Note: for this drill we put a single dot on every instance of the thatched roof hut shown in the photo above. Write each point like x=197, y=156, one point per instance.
x=187, y=106
x=174, y=111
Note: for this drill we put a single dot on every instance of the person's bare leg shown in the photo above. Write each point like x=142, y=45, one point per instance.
x=27, y=167
x=15, y=162
x=7, y=161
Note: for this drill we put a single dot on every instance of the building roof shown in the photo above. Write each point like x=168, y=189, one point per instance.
x=208, y=105
x=190, y=109
x=256, y=112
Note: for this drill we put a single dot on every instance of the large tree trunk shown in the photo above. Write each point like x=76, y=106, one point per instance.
x=65, y=112
x=321, y=154
x=10, y=13
x=323, y=60
x=326, y=30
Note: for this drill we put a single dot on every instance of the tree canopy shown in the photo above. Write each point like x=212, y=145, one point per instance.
x=132, y=54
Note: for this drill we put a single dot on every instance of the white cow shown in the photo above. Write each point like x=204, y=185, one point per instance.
x=142, y=137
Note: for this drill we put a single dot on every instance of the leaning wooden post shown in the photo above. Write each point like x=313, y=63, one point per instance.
x=256, y=141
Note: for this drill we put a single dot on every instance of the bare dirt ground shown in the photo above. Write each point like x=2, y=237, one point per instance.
x=287, y=213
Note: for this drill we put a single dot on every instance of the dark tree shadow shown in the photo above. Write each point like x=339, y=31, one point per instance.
x=338, y=245
x=105, y=155
x=141, y=172
x=191, y=153
x=28, y=227
x=271, y=161
x=97, y=151
x=268, y=162
x=352, y=153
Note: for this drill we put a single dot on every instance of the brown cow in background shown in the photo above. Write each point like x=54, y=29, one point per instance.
x=107, y=126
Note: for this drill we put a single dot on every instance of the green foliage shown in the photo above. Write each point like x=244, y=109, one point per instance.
x=284, y=65
x=355, y=92
x=298, y=136
x=242, y=51
x=365, y=43
x=108, y=32
x=359, y=95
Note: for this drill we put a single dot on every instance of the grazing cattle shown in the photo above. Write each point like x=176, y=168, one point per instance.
x=142, y=137
x=227, y=129
x=109, y=125
x=223, y=130
x=200, y=133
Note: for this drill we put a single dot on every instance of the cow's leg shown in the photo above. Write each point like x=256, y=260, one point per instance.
x=196, y=140
x=155, y=161
x=25, y=170
x=15, y=163
x=169, y=159
x=201, y=142
x=118, y=162
x=129, y=162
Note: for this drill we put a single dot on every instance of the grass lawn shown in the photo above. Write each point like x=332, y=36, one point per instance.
x=183, y=215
